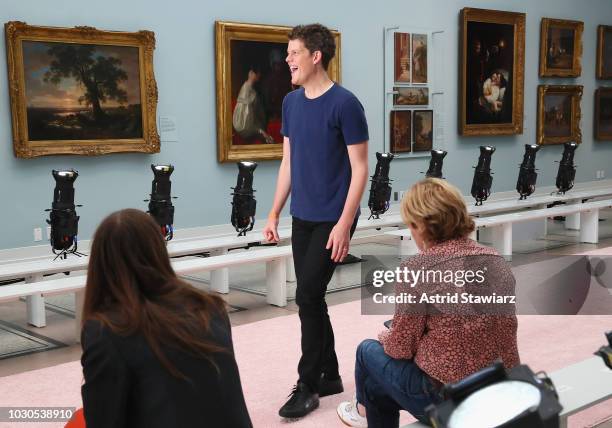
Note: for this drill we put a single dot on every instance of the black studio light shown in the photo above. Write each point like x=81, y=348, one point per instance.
x=435, y=164
x=527, y=172
x=380, y=189
x=63, y=218
x=495, y=398
x=605, y=352
x=483, y=179
x=243, y=202
x=160, y=204
x=567, y=168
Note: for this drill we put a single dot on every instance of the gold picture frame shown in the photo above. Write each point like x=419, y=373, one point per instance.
x=560, y=48
x=260, y=44
x=559, y=114
x=58, y=108
x=503, y=33
x=604, y=52
x=603, y=114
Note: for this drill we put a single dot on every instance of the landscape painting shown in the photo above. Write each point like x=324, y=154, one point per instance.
x=81, y=91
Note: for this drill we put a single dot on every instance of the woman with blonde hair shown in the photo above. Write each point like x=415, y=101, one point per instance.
x=432, y=344
x=157, y=352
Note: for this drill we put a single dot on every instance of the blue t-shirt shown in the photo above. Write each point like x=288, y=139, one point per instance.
x=319, y=130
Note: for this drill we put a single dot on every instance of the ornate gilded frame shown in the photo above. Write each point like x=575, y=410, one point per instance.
x=517, y=20
x=16, y=32
x=578, y=28
x=599, y=134
x=601, y=73
x=576, y=93
x=225, y=32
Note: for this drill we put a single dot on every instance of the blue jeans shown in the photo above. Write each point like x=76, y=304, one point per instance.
x=386, y=385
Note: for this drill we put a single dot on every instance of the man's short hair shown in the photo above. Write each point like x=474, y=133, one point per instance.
x=316, y=37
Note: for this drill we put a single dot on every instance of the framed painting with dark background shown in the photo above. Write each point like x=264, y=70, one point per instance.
x=422, y=125
x=603, y=114
x=419, y=58
x=401, y=131
x=559, y=114
x=604, y=52
x=491, y=72
x=81, y=90
x=401, y=57
x=250, y=65
x=560, y=48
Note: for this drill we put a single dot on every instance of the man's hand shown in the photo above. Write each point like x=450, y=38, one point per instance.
x=339, y=239
x=270, y=232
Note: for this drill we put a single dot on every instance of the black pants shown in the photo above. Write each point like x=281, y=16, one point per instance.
x=313, y=270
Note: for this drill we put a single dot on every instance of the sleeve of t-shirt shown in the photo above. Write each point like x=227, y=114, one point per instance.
x=285, y=117
x=353, y=122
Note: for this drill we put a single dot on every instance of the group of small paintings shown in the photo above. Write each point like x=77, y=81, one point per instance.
x=411, y=131
x=410, y=58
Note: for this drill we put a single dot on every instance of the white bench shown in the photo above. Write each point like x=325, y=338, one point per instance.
x=579, y=386
x=275, y=277
x=501, y=224
x=220, y=245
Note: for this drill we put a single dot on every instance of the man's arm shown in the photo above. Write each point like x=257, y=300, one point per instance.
x=283, y=187
x=340, y=235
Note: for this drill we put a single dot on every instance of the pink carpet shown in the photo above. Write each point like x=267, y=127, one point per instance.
x=268, y=352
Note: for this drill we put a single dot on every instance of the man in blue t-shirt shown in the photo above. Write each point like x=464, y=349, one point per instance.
x=325, y=167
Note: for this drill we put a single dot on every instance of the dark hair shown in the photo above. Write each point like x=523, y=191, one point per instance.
x=132, y=288
x=316, y=37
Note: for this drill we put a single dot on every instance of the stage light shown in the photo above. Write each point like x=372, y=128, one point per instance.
x=494, y=397
x=567, y=169
x=605, y=352
x=380, y=190
x=160, y=204
x=435, y=164
x=527, y=172
x=243, y=203
x=63, y=218
x=481, y=184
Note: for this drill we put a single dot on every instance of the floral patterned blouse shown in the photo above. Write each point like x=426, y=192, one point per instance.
x=451, y=346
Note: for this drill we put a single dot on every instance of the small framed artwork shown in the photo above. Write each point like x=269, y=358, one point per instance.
x=419, y=58
x=410, y=96
x=492, y=72
x=81, y=91
x=603, y=114
x=401, y=57
x=560, y=48
x=400, y=131
x=252, y=80
x=559, y=114
x=422, y=125
x=604, y=52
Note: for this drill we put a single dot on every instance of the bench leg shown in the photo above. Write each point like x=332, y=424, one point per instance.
x=589, y=227
x=502, y=239
x=276, y=282
x=290, y=270
x=35, y=305
x=79, y=297
x=572, y=221
x=219, y=278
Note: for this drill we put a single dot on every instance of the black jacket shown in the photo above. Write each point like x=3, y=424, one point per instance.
x=127, y=386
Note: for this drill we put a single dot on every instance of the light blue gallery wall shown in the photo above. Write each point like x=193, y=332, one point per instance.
x=184, y=69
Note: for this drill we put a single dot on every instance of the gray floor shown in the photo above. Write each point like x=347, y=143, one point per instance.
x=23, y=347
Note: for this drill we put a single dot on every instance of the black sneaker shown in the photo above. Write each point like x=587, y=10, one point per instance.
x=330, y=386
x=302, y=402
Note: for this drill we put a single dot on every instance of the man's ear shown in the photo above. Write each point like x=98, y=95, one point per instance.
x=317, y=56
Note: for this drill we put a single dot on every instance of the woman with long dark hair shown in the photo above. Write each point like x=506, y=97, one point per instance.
x=157, y=352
